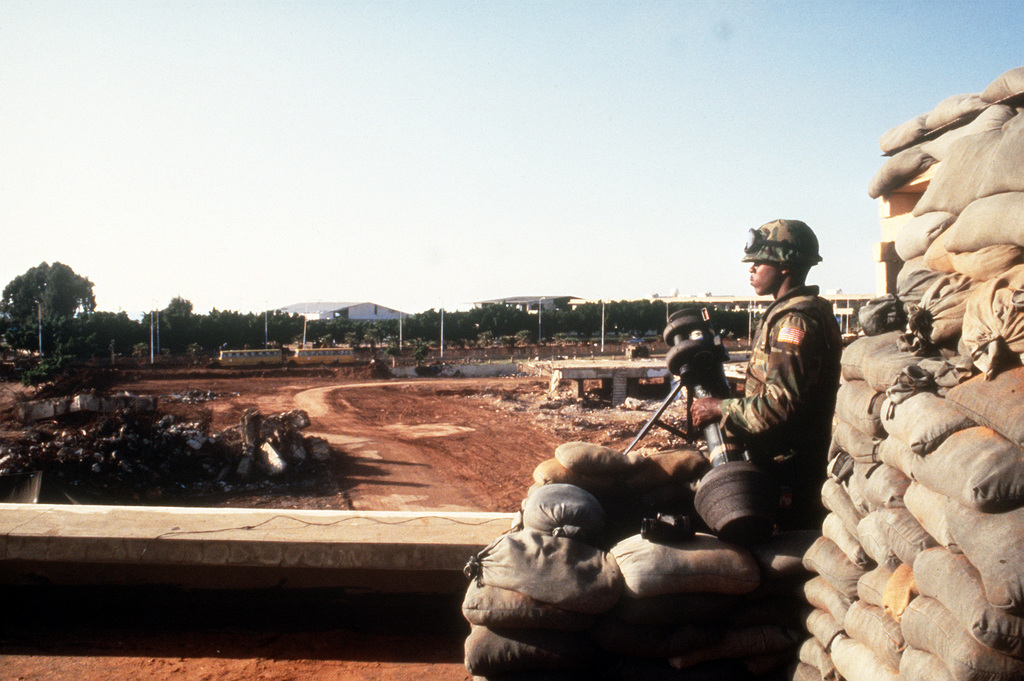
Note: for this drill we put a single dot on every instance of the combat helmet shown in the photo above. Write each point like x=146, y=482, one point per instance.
x=787, y=242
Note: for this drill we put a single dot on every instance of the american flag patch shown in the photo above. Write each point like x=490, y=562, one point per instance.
x=791, y=334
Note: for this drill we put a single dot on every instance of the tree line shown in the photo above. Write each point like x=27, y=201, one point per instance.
x=51, y=308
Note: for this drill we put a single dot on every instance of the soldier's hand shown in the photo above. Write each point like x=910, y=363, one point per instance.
x=705, y=410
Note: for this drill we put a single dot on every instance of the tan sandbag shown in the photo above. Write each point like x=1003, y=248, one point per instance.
x=824, y=596
x=876, y=360
x=494, y=652
x=860, y=406
x=552, y=472
x=917, y=234
x=894, y=452
x=899, y=170
x=655, y=469
x=899, y=591
x=914, y=278
x=827, y=560
x=991, y=119
x=953, y=109
x=875, y=540
x=854, y=442
x=885, y=487
x=1009, y=85
x=917, y=665
x=807, y=672
x=994, y=543
x=952, y=580
x=871, y=587
x=988, y=262
x=942, y=307
x=996, y=403
x=833, y=528
x=869, y=625
x=490, y=606
x=811, y=653
x=741, y=643
x=560, y=571
x=855, y=487
x=990, y=316
x=836, y=499
x=958, y=179
x=937, y=257
x=978, y=467
x=781, y=556
x=823, y=627
x=904, y=534
x=701, y=564
x=929, y=508
x=929, y=626
x=856, y=662
x=1005, y=172
x=996, y=219
x=923, y=421
x=564, y=510
x=594, y=460
x=904, y=135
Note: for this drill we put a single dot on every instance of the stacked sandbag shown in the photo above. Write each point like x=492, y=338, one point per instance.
x=704, y=606
x=581, y=582
x=963, y=248
x=890, y=411
x=968, y=621
x=919, y=570
x=629, y=486
x=536, y=591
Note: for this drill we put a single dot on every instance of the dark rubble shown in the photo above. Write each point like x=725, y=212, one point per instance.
x=132, y=455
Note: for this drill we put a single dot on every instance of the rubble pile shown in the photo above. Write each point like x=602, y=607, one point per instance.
x=121, y=449
x=574, y=591
x=919, y=566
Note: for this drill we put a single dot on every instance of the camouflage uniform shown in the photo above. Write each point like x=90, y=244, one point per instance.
x=784, y=418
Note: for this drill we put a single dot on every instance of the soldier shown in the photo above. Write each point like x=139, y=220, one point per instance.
x=784, y=418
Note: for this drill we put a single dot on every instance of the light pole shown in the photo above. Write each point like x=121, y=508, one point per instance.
x=39, y=309
x=442, y=333
x=540, y=319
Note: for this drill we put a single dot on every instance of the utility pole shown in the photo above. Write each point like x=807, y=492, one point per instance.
x=39, y=308
x=602, y=326
x=442, y=333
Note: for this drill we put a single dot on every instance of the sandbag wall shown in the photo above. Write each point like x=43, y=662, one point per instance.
x=572, y=591
x=921, y=563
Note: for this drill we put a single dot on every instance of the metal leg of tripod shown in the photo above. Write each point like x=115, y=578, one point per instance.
x=655, y=420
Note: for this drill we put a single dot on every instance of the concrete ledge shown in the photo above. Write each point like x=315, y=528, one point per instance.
x=241, y=548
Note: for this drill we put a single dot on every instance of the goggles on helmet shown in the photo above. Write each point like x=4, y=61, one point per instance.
x=756, y=240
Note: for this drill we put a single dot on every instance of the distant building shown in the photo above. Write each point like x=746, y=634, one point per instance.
x=533, y=303
x=353, y=311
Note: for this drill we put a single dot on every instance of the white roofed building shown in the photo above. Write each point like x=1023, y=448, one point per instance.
x=353, y=311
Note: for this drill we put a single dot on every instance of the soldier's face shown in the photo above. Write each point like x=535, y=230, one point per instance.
x=766, y=278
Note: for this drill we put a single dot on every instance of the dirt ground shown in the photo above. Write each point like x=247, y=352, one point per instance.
x=423, y=444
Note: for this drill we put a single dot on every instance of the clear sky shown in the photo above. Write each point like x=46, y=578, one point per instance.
x=250, y=155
